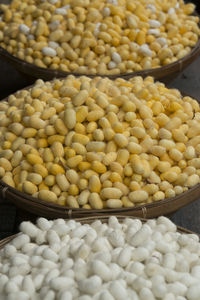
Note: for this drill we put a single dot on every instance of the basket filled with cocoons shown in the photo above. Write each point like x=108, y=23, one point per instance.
x=77, y=147
x=105, y=259
x=48, y=39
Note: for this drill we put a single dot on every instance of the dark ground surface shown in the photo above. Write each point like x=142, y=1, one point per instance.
x=188, y=82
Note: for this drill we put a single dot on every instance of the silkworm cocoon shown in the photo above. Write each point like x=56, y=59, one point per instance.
x=20, y=240
x=52, y=237
x=140, y=236
x=100, y=269
x=29, y=229
x=61, y=283
x=90, y=285
x=125, y=257
x=140, y=254
x=117, y=290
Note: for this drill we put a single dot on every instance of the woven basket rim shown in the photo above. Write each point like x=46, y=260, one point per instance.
x=68, y=211
x=104, y=219
x=158, y=73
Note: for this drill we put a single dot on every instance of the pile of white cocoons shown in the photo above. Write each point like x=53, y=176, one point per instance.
x=126, y=260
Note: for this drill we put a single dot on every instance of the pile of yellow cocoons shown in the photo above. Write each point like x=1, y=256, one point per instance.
x=97, y=143
x=99, y=37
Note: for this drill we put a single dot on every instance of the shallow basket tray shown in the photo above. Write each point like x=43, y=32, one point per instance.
x=50, y=210
x=89, y=220
x=165, y=73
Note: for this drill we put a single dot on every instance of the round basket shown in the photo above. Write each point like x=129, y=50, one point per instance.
x=165, y=73
x=50, y=210
x=89, y=220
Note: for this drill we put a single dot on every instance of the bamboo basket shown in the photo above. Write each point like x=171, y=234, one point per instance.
x=37, y=207
x=166, y=73
x=89, y=220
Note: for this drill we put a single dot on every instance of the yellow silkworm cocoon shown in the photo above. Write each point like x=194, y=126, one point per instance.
x=109, y=158
x=95, y=146
x=8, y=180
x=73, y=162
x=175, y=154
x=80, y=98
x=83, y=197
x=72, y=176
x=158, y=196
x=111, y=193
x=98, y=167
x=169, y=176
x=138, y=196
x=29, y=187
x=4, y=163
x=70, y=118
x=158, y=150
x=94, y=184
x=120, y=140
x=81, y=114
x=34, y=159
x=84, y=165
x=80, y=138
x=73, y=190
x=62, y=182
x=95, y=201
x=122, y=156
x=151, y=188
x=114, y=203
x=164, y=134
x=49, y=180
x=189, y=152
x=192, y=180
x=47, y=195
x=34, y=178
x=57, y=149
x=134, y=148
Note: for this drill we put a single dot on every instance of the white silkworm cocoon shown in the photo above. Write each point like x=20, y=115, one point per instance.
x=125, y=256
x=48, y=51
x=141, y=235
x=193, y=293
x=146, y=293
x=112, y=65
x=24, y=29
x=50, y=255
x=116, y=57
x=54, y=25
x=145, y=50
x=106, y=12
x=90, y=285
x=20, y=240
x=28, y=285
x=169, y=261
x=171, y=11
x=154, y=23
x=155, y=32
x=117, y=290
x=53, y=45
x=51, y=275
x=140, y=282
x=52, y=237
x=177, y=288
x=65, y=296
x=29, y=229
x=106, y=295
x=100, y=269
x=60, y=11
x=102, y=261
x=9, y=250
x=151, y=7
x=61, y=283
x=104, y=256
